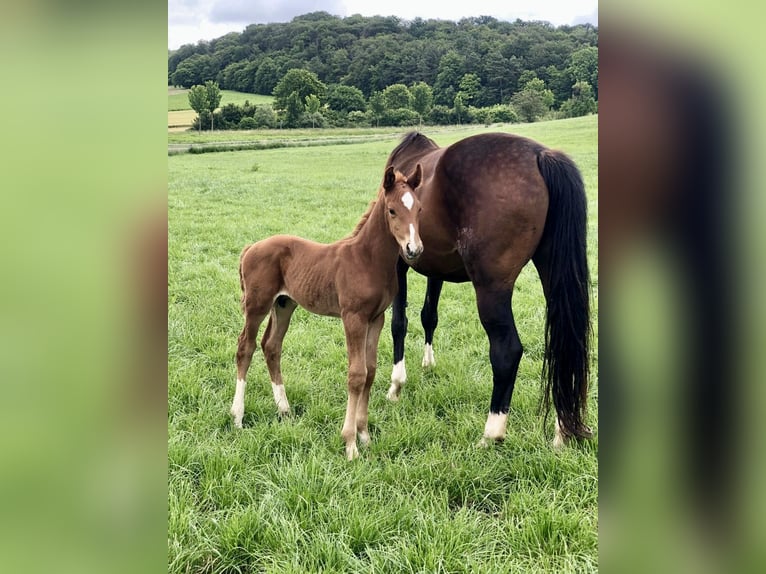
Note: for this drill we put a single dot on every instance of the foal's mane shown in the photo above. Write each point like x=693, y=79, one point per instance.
x=364, y=218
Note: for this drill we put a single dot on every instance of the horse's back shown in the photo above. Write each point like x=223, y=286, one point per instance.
x=496, y=198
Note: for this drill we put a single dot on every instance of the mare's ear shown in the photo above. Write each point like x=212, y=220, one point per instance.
x=415, y=179
x=389, y=179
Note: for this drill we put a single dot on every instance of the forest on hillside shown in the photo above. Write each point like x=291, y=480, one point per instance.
x=372, y=53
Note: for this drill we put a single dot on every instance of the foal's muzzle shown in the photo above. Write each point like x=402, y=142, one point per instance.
x=412, y=251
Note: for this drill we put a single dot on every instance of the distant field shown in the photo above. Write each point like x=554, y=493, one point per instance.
x=181, y=116
x=178, y=99
x=278, y=495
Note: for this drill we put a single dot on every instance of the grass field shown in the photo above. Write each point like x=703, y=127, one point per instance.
x=181, y=116
x=278, y=495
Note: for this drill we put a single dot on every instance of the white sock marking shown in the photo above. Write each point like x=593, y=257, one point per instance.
x=559, y=440
x=495, y=427
x=238, y=405
x=428, y=356
x=408, y=200
x=398, y=378
x=280, y=398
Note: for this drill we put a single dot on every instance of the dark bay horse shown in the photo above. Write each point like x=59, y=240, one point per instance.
x=492, y=202
x=354, y=279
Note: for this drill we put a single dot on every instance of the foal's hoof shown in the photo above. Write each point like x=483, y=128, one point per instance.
x=352, y=452
x=236, y=417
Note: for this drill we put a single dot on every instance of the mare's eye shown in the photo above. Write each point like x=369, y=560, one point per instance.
x=391, y=212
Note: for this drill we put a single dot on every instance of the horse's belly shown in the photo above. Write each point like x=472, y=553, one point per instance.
x=446, y=266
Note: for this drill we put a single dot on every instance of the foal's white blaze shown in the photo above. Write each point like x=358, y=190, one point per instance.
x=238, y=405
x=428, y=356
x=412, y=235
x=559, y=440
x=280, y=397
x=408, y=200
x=398, y=378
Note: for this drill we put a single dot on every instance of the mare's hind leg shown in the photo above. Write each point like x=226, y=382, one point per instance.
x=429, y=317
x=373, y=336
x=399, y=332
x=245, y=349
x=504, y=354
x=271, y=344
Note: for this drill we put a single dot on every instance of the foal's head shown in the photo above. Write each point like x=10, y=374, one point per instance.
x=403, y=210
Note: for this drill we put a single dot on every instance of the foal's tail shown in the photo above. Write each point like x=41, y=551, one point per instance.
x=562, y=264
x=242, y=277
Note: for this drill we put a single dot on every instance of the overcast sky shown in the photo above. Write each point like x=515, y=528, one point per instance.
x=192, y=20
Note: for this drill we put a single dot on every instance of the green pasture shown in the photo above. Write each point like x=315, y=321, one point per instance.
x=279, y=495
x=178, y=99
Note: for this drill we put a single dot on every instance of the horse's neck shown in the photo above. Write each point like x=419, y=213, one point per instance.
x=376, y=237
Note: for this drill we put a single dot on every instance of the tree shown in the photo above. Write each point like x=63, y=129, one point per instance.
x=312, y=107
x=581, y=103
x=377, y=105
x=198, y=100
x=583, y=67
x=470, y=86
x=533, y=100
x=448, y=77
x=301, y=82
x=345, y=98
x=459, y=107
x=397, y=96
x=266, y=77
x=213, y=98
x=422, y=98
x=293, y=109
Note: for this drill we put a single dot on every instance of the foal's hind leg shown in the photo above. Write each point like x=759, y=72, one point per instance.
x=429, y=317
x=271, y=344
x=245, y=349
x=505, y=352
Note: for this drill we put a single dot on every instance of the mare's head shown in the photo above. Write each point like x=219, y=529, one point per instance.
x=403, y=210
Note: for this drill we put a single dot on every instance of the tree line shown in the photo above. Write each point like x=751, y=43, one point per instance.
x=482, y=61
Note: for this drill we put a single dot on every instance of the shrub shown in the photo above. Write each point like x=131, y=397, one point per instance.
x=265, y=117
x=248, y=123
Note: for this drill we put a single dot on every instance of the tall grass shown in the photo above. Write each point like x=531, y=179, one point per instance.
x=278, y=495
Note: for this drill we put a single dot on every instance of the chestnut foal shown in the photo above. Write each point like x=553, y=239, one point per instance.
x=354, y=279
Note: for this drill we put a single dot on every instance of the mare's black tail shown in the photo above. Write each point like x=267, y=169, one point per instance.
x=562, y=263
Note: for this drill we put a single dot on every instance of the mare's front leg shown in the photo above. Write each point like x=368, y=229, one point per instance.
x=245, y=349
x=399, y=331
x=429, y=317
x=373, y=336
x=356, y=328
x=271, y=344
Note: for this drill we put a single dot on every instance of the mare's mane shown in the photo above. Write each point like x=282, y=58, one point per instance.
x=413, y=141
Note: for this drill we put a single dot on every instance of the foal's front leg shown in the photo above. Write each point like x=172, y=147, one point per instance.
x=356, y=328
x=373, y=336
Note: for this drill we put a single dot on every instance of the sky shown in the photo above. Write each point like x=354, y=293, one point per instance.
x=192, y=20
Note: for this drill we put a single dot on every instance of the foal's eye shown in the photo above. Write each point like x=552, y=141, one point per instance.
x=391, y=212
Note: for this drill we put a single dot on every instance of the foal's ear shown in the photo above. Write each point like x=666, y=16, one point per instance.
x=415, y=178
x=389, y=179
